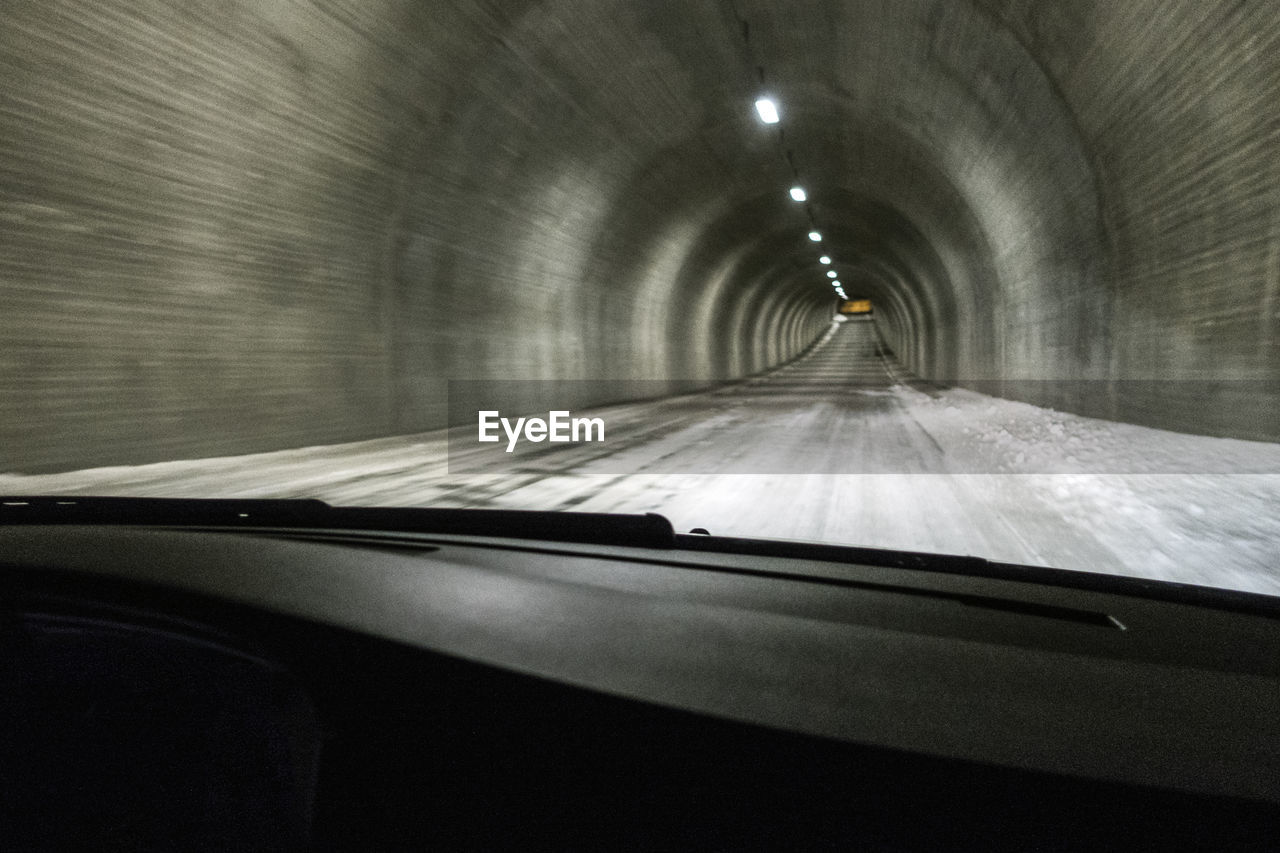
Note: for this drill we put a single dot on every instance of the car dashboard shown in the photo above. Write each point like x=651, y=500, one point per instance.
x=250, y=686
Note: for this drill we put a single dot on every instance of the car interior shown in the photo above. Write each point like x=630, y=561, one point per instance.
x=226, y=683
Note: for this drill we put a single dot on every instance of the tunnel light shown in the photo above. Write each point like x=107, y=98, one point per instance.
x=798, y=194
x=768, y=110
x=831, y=273
x=835, y=284
x=815, y=236
x=825, y=259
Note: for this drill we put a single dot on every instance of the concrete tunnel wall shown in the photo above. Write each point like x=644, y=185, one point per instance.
x=230, y=227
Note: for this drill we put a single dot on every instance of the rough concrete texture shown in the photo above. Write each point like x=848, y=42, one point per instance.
x=229, y=227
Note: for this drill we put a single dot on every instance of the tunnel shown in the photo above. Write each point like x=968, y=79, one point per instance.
x=258, y=225
x=238, y=227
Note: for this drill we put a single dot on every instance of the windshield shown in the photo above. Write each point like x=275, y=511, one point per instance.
x=959, y=277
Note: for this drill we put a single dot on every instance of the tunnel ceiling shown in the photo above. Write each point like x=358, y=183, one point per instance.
x=931, y=143
x=265, y=224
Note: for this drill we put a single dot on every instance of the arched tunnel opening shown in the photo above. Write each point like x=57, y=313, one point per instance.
x=271, y=230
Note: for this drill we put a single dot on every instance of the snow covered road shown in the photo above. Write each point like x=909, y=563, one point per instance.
x=840, y=446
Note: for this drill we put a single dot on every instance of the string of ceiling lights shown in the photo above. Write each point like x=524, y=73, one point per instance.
x=769, y=113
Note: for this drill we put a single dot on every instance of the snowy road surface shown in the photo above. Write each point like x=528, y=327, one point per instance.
x=839, y=446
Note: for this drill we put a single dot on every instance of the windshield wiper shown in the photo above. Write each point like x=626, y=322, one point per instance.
x=638, y=531
x=641, y=531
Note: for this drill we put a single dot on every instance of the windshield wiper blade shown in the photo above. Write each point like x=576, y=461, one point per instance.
x=638, y=531
x=1256, y=604
x=642, y=531
x=830, y=552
